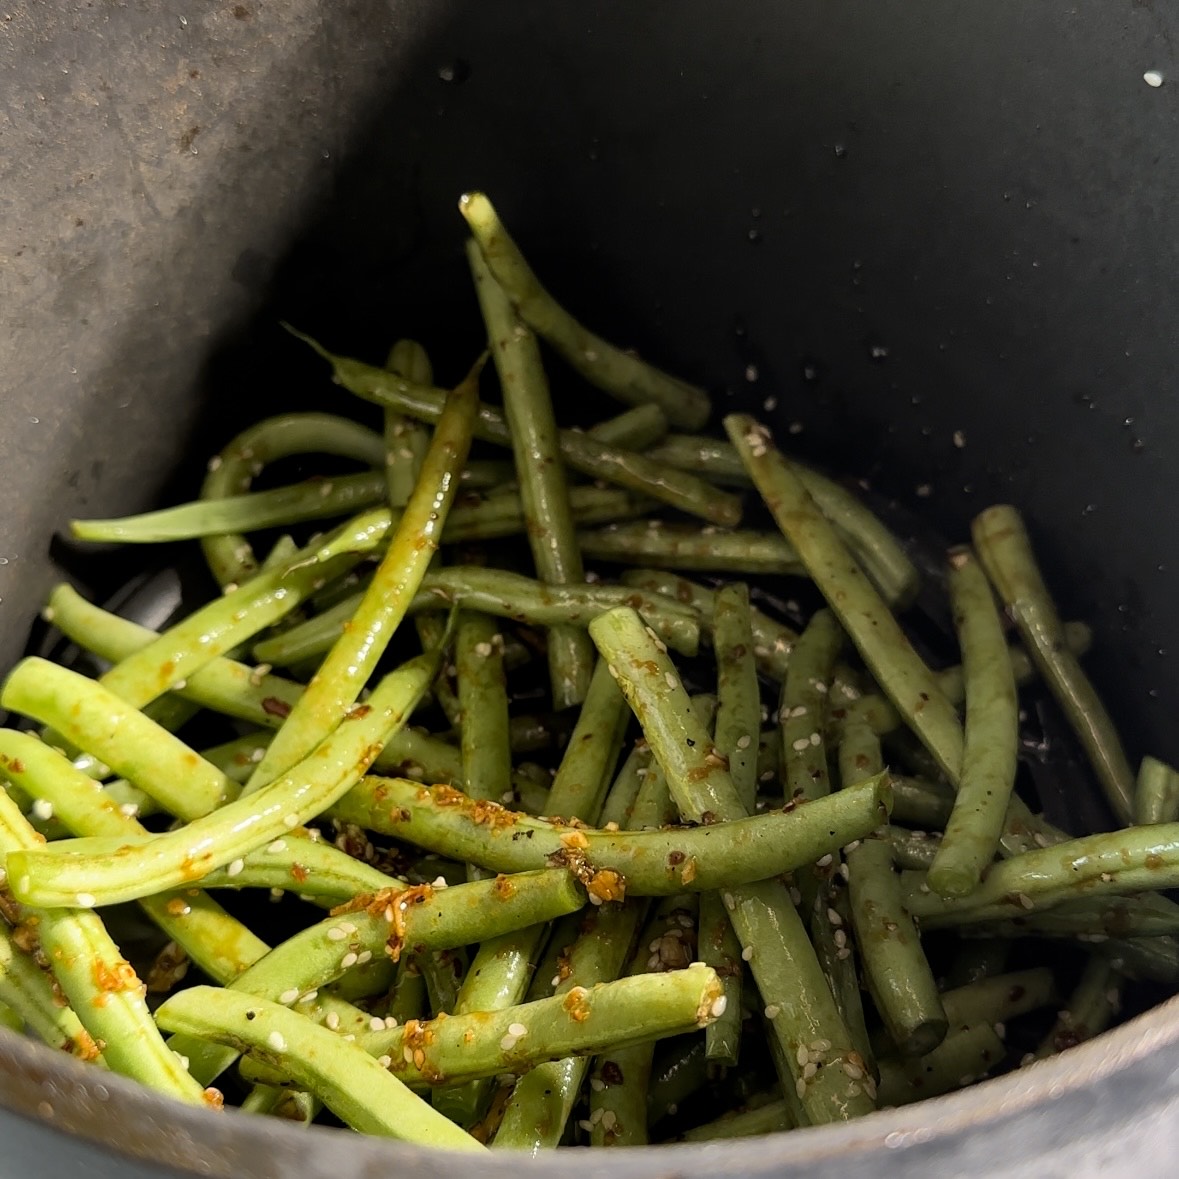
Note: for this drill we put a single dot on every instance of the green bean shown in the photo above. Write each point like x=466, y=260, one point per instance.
x=87, y=872
x=978, y=960
x=1006, y=554
x=913, y=849
x=803, y=707
x=964, y=1056
x=738, y=699
x=619, y=1078
x=407, y=999
x=1156, y=793
x=685, y=546
x=653, y=806
x=623, y=794
x=675, y=1077
x=230, y=620
x=354, y=1086
x=354, y=655
x=528, y=408
x=1095, y=920
x=98, y=983
x=443, y=971
x=614, y=371
x=230, y=557
x=900, y=671
x=315, y=499
x=720, y=949
x=770, y=1118
x=483, y=699
x=504, y=595
x=1092, y=1005
x=586, y=769
x=895, y=968
x=656, y=862
x=1153, y=958
x=921, y=803
x=877, y=551
x=95, y=719
x=633, y=429
x=1001, y=998
x=801, y=1010
x=406, y=442
x=1129, y=860
x=581, y=451
x=772, y=642
x=29, y=991
x=992, y=734
x=501, y=513
x=539, y=1108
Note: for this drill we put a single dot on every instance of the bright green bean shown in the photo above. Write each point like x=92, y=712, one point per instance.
x=687, y=546
x=1156, y=793
x=738, y=698
x=656, y=862
x=230, y=557
x=354, y=1086
x=992, y=734
x=483, y=700
x=504, y=595
x=623, y=794
x=354, y=656
x=900, y=671
x=528, y=408
x=1006, y=554
x=406, y=442
x=88, y=872
x=617, y=372
x=583, y=452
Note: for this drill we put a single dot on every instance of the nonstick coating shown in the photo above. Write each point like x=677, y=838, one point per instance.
x=907, y=220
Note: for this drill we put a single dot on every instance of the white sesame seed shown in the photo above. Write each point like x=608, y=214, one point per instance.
x=747, y=954
x=669, y=678
x=483, y=649
x=772, y=1011
x=337, y=934
x=363, y=957
x=815, y=738
x=257, y=754
x=279, y=845
x=834, y=917
x=809, y=1070
x=803, y=1055
x=799, y=745
x=1001, y=1030
x=289, y=996
x=609, y=1119
x=508, y=1043
x=439, y=882
x=729, y=901
x=276, y=1041
x=332, y=1019
x=1026, y=901
x=234, y=867
x=800, y=1087
x=376, y=1024
x=290, y=821
x=843, y=953
x=86, y=900
x=43, y=808
x=586, y=1125
x=348, y=960
x=824, y=861
x=597, y=1084
x=385, y=1061
x=744, y=742
x=309, y=997
x=718, y=1006
x=1153, y=78
x=840, y=937
x=130, y=809
x=517, y=1030
x=795, y=895
x=853, y=1070
x=959, y=439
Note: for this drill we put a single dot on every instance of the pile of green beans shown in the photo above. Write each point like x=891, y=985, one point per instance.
x=566, y=852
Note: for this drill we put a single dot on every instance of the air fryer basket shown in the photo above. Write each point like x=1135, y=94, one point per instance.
x=904, y=220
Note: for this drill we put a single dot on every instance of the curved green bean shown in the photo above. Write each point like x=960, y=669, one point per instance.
x=94, y=871
x=900, y=671
x=992, y=734
x=1006, y=554
x=614, y=371
x=654, y=862
x=544, y=491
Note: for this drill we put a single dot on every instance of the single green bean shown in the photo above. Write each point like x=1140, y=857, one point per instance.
x=913, y=849
x=1000, y=998
x=654, y=862
x=1006, y=554
x=676, y=1076
x=503, y=595
x=483, y=700
x=738, y=698
x=977, y=960
x=95, y=719
x=230, y=620
x=623, y=794
x=103, y=871
x=878, y=552
x=614, y=371
x=1091, y=1008
x=407, y=999
x=354, y=1086
x=802, y=713
x=634, y=429
x=900, y=671
x=920, y=802
x=230, y=557
x=528, y=408
x=583, y=452
x=406, y=442
x=1156, y=793
x=315, y=499
x=354, y=655
x=992, y=734
x=799, y=1004
x=720, y=949
x=964, y=1056
x=686, y=546
x=1130, y=860
x=587, y=767
x=770, y=1118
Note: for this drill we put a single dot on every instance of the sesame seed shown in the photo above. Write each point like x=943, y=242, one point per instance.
x=336, y=934
x=407, y=1054
x=1040, y=839
x=800, y=1087
x=747, y=954
x=718, y=1006
x=130, y=809
x=290, y=821
x=43, y=808
x=840, y=937
x=1153, y=78
x=834, y=917
x=332, y=1020
x=1001, y=1030
x=289, y=996
x=959, y=439
x=843, y=953
x=669, y=678
x=597, y=1084
x=376, y=1024
x=348, y=960
x=729, y=901
x=609, y=1119
x=853, y=1070
x=597, y=1116
x=517, y=1030
x=309, y=997
x=1026, y=901
x=279, y=845
x=824, y=861
x=438, y=882
x=86, y=900
x=363, y=957
x=803, y=1055
x=483, y=649
x=384, y=1061
x=809, y=1070
x=234, y=867
x=772, y=1011
x=801, y=744
x=744, y=742
x=586, y=1125
x=276, y=1041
